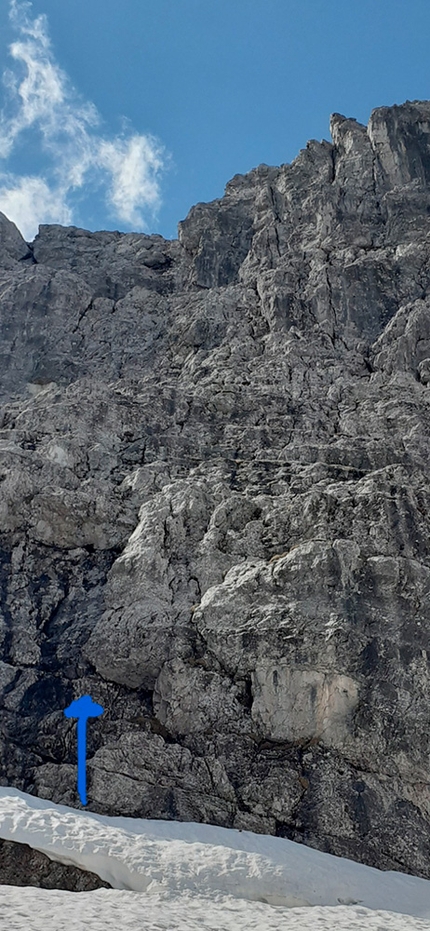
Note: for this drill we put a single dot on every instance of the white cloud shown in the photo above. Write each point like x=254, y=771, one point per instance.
x=29, y=201
x=42, y=101
x=133, y=165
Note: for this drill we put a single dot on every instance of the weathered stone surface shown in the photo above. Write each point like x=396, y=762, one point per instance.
x=214, y=509
x=20, y=865
x=13, y=248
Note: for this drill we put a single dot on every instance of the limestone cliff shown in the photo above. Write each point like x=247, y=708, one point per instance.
x=214, y=508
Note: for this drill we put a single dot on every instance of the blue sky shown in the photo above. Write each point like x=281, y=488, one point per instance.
x=121, y=114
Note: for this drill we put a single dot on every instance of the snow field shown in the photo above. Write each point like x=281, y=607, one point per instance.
x=186, y=876
x=109, y=910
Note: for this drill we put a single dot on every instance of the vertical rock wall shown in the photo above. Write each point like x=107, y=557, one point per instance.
x=214, y=503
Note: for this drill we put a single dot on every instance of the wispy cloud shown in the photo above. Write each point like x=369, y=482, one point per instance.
x=40, y=99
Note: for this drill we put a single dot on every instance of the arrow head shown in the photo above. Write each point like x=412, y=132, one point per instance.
x=83, y=707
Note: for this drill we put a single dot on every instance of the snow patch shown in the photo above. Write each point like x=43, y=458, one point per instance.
x=160, y=858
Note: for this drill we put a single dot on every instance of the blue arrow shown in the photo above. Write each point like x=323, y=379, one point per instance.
x=82, y=709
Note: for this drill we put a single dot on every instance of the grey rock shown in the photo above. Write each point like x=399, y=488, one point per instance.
x=13, y=248
x=214, y=509
x=21, y=865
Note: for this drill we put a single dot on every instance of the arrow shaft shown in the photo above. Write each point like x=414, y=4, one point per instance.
x=82, y=759
x=82, y=709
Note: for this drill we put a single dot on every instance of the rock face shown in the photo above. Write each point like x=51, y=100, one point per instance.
x=214, y=510
x=20, y=865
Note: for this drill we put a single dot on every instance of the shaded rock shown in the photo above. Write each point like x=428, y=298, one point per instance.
x=20, y=865
x=13, y=248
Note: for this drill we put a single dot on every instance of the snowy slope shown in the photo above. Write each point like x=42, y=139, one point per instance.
x=109, y=910
x=186, y=876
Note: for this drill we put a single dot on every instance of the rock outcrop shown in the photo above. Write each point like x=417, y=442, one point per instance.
x=214, y=510
x=20, y=865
